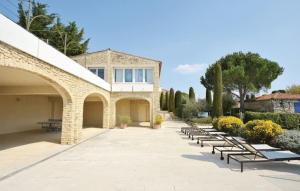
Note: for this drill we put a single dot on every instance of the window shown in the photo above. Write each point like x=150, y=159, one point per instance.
x=139, y=75
x=118, y=75
x=101, y=73
x=128, y=75
x=98, y=71
x=148, y=75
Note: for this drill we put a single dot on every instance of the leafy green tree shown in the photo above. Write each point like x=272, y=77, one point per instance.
x=192, y=97
x=190, y=110
x=66, y=38
x=293, y=89
x=228, y=103
x=218, y=89
x=36, y=19
x=243, y=73
x=167, y=101
x=171, y=101
x=161, y=100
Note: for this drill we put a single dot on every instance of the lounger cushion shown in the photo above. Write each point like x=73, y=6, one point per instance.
x=263, y=147
x=279, y=154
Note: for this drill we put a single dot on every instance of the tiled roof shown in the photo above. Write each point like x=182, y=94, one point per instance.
x=279, y=96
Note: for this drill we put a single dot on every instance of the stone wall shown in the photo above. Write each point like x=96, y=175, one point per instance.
x=277, y=106
x=259, y=106
x=284, y=106
x=72, y=89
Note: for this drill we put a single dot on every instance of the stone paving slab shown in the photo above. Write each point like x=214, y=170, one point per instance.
x=147, y=159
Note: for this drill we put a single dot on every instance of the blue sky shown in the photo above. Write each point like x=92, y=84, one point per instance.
x=189, y=35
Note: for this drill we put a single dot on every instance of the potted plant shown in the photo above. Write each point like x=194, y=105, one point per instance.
x=124, y=121
x=158, y=121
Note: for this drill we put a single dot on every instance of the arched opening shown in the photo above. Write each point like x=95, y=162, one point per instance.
x=93, y=111
x=31, y=108
x=138, y=110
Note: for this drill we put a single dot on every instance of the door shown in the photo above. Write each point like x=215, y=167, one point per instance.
x=297, y=107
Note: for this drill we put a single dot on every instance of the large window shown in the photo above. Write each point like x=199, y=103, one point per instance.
x=149, y=75
x=128, y=75
x=118, y=75
x=137, y=75
x=98, y=71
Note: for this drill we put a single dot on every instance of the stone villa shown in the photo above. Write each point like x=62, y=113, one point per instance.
x=38, y=83
x=275, y=102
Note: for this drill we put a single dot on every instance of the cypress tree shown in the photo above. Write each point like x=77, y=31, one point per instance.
x=161, y=101
x=167, y=101
x=208, y=97
x=192, y=95
x=178, y=99
x=178, y=104
x=208, y=100
x=218, y=88
x=171, y=101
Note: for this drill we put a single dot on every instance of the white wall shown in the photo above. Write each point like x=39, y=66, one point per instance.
x=21, y=113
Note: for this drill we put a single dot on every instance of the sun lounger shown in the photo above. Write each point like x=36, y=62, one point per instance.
x=211, y=136
x=234, y=146
x=255, y=155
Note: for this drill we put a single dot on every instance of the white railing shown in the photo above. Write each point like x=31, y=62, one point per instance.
x=15, y=36
x=131, y=87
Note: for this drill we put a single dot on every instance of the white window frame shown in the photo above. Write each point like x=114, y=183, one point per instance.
x=97, y=68
x=133, y=75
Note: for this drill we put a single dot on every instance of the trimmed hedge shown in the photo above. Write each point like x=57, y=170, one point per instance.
x=203, y=120
x=286, y=120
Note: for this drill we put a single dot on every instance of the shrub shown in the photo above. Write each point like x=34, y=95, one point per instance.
x=190, y=110
x=290, y=139
x=124, y=119
x=286, y=120
x=290, y=121
x=261, y=131
x=275, y=117
x=229, y=124
x=215, y=122
x=203, y=120
x=158, y=119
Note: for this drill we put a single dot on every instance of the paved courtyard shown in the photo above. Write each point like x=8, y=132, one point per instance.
x=146, y=159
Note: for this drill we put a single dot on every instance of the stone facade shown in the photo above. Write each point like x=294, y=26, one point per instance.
x=109, y=59
x=75, y=90
x=276, y=106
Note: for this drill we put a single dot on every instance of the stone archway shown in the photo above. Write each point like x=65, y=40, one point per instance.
x=33, y=98
x=95, y=111
x=138, y=109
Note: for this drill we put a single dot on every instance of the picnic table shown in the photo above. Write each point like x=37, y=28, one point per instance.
x=51, y=125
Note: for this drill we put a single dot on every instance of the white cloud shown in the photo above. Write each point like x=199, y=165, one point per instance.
x=190, y=68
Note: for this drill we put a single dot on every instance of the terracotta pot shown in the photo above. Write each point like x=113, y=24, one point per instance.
x=122, y=126
x=156, y=126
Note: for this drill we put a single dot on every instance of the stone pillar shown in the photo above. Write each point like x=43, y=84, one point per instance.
x=67, y=133
x=113, y=113
x=106, y=115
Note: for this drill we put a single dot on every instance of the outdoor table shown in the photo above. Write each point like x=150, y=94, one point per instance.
x=51, y=125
